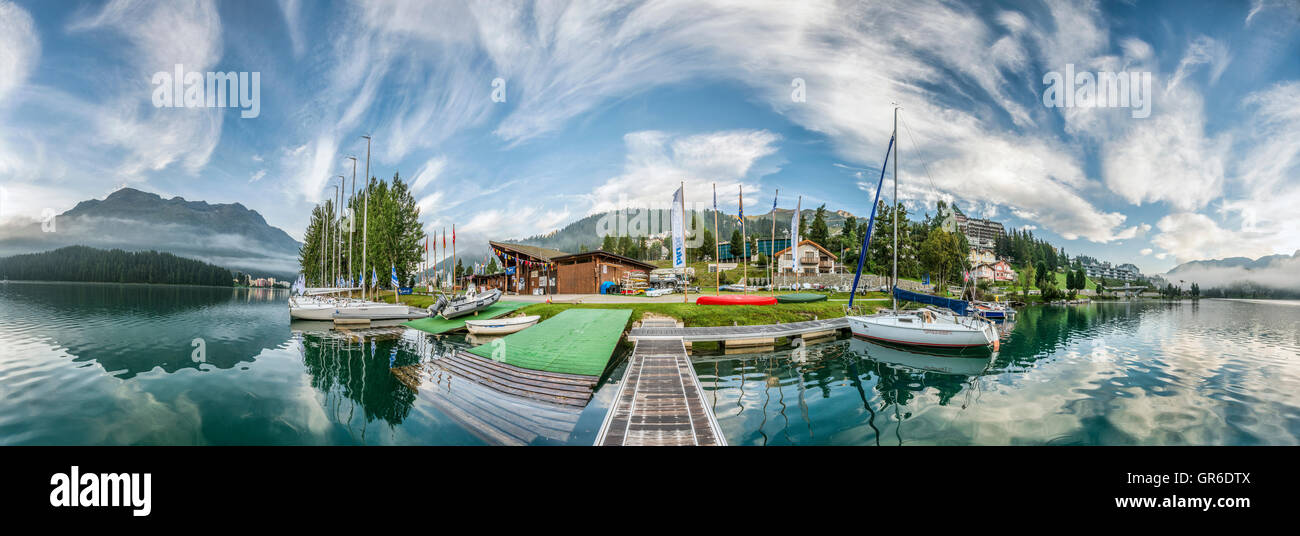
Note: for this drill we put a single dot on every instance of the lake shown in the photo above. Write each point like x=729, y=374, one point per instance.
x=106, y=364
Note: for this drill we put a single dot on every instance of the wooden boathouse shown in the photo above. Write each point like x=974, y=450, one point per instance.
x=583, y=273
x=532, y=270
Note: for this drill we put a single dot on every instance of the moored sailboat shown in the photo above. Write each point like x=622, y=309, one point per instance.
x=930, y=326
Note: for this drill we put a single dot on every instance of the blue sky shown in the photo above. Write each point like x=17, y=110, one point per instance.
x=611, y=104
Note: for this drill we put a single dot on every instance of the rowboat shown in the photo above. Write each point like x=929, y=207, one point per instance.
x=501, y=326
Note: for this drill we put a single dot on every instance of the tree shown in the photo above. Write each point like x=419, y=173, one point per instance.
x=940, y=255
x=1025, y=278
x=819, y=232
x=737, y=244
x=492, y=267
x=706, y=249
x=1041, y=274
x=610, y=243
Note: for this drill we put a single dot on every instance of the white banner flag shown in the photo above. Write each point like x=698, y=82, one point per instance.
x=794, y=234
x=679, y=230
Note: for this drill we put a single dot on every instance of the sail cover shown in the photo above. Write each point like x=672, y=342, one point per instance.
x=957, y=306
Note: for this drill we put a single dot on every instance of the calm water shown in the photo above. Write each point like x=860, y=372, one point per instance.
x=112, y=364
x=1219, y=372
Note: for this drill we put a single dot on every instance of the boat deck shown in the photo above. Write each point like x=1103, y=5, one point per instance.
x=729, y=333
x=660, y=402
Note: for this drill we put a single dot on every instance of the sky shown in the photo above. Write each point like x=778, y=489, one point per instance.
x=511, y=119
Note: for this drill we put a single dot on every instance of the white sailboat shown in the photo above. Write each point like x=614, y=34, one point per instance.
x=929, y=327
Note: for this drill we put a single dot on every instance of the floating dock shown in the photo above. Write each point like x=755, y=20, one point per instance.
x=738, y=333
x=660, y=402
x=576, y=341
x=438, y=325
x=558, y=361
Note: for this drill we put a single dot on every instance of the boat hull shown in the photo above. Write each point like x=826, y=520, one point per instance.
x=463, y=307
x=503, y=326
x=733, y=299
x=934, y=335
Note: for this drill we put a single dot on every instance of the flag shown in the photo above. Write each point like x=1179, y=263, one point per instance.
x=393, y=279
x=794, y=234
x=374, y=278
x=715, y=197
x=742, y=203
x=453, y=234
x=679, y=232
x=444, y=238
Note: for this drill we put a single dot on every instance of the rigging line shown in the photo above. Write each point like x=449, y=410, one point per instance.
x=924, y=163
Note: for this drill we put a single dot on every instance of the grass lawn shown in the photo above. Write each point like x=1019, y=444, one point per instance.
x=689, y=313
x=693, y=315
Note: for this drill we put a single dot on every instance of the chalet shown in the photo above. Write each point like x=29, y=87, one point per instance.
x=813, y=259
x=996, y=271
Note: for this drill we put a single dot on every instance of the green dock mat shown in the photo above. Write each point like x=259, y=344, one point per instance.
x=802, y=297
x=576, y=341
x=438, y=324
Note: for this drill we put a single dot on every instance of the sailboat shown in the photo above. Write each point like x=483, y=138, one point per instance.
x=944, y=326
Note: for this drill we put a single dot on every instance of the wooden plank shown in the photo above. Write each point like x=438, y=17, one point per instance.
x=539, y=393
x=660, y=401
x=722, y=333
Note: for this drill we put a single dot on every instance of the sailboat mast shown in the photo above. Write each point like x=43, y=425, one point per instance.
x=892, y=295
x=365, y=231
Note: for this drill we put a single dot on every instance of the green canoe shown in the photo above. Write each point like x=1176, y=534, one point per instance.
x=802, y=297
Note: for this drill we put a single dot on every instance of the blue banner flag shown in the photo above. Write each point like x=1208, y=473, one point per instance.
x=393, y=277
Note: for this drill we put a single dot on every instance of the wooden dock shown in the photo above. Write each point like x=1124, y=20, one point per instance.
x=660, y=401
x=737, y=333
x=554, y=387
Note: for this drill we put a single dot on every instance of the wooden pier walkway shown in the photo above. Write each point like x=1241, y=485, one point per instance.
x=730, y=333
x=660, y=401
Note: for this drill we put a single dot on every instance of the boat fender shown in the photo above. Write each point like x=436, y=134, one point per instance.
x=996, y=344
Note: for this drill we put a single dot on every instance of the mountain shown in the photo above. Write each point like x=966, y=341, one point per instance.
x=585, y=231
x=228, y=235
x=1272, y=271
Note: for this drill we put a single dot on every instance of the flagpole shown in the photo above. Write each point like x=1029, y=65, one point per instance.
x=365, y=231
x=794, y=245
x=454, y=275
x=771, y=246
x=686, y=279
x=352, y=225
x=717, y=262
x=744, y=245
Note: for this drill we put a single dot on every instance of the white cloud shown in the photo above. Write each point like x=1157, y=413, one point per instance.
x=257, y=175
x=1190, y=236
x=1145, y=252
x=20, y=47
x=657, y=163
x=429, y=172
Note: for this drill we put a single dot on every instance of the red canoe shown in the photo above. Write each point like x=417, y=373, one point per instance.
x=735, y=299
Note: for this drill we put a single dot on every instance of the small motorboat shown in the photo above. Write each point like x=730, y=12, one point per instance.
x=993, y=311
x=468, y=304
x=501, y=326
x=801, y=297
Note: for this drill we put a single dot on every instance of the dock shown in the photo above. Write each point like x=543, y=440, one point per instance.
x=438, y=325
x=660, y=402
x=558, y=361
x=740, y=335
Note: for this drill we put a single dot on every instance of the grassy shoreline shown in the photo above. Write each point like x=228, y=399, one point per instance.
x=689, y=313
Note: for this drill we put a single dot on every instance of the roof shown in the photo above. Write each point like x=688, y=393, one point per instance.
x=545, y=254
x=814, y=244
x=626, y=260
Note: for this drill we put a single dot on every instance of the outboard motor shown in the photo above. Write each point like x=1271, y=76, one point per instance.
x=437, y=306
